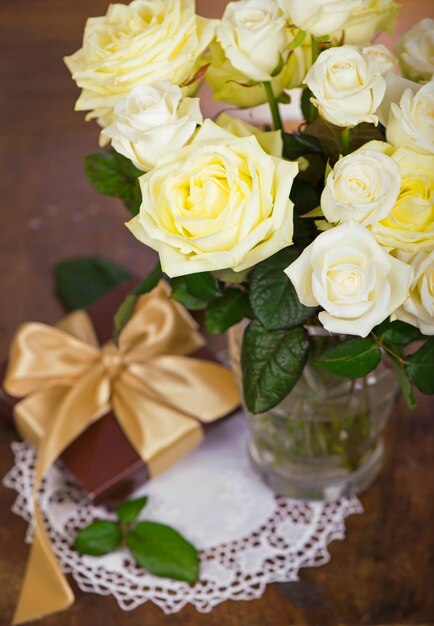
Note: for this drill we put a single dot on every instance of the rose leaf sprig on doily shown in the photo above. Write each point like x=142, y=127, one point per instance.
x=158, y=548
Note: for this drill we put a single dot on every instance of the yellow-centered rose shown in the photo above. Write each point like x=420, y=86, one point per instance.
x=220, y=202
x=410, y=224
x=144, y=42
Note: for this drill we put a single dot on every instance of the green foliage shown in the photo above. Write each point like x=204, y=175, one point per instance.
x=79, y=282
x=420, y=367
x=396, y=357
x=299, y=144
x=160, y=549
x=330, y=137
x=181, y=294
x=227, y=310
x=128, y=511
x=352, y=359
x=112, y=174
x=273, y=298
x=310, y=112
x=126, y=309
x=196, y=291
x=163, y=552
x=305, y=198
x=397, y=333
x=99, y=538
x=271, y=362
x=203, y=285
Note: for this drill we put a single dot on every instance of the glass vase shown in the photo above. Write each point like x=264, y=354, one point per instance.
x=324, y=439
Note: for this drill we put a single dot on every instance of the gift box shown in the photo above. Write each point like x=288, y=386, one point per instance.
x=101, y=458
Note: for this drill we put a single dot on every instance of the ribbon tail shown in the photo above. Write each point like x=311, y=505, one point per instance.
x=45, y=589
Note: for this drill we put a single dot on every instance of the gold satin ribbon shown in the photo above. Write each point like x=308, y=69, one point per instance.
x=159, y=395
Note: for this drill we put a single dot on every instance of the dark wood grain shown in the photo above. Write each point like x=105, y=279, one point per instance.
x=383, y=573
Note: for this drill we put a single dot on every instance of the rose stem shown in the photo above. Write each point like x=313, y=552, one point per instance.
x=274, y=107
x=345, y=141
x=314, y=48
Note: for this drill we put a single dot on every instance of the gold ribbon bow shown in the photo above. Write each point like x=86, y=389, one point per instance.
x=159, y=395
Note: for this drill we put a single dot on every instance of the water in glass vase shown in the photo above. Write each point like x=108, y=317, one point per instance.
x=324, y=440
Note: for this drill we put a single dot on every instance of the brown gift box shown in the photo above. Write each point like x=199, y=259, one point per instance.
x=102, y=459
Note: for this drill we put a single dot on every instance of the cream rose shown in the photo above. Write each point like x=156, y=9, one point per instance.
x=418, y=309
x=362, y=186
x=220, y=202
x=347, y=86
x=351, y=277
x=411, y=122
x=253, y=35
x=319, y=17
x=367, y=21
x=410, y=224
x=151, y=121
x=381, y=57
x=144, y=42
x=231, y=85
x=416, y=51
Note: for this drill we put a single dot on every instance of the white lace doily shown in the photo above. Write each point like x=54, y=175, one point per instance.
x=246, y=535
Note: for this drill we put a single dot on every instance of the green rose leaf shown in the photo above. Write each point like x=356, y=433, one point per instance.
x=114, y=175
x=99, y=538
x=397, y=332
x=202, y=285
x=273, y=298
x=352, y=359
x=330, y=136
x=181, y=293
x=79, y=282
x=402, y=376
x=310, y=112
x=420, y=367
x=125, y=311
x=298, y=144
x=227, y=310
x=305, y=198
x=128, y=511
x=271, y=362
x=163, y=552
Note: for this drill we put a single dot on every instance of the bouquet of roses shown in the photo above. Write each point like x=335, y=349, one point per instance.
x=330, y=226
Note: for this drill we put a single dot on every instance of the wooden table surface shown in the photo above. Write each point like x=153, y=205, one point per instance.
x=383, y=572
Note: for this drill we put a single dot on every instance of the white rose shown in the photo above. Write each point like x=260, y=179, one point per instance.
x=253, y=36
x=319, y=17
x=416, y=50
x=144, y=42
x=411, y=122
x=151, y=121
x=367, y=21
x=355, y=281
x=381, y=57
x=418, y=309
x=362, y=186
x=347, y=86
x=221, y=202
